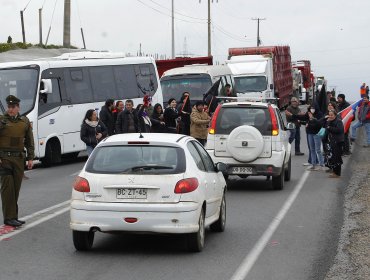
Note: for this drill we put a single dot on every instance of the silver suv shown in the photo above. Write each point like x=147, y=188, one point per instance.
x=252, y=139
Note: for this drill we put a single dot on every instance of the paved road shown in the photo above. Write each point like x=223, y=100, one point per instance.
x=289, y=234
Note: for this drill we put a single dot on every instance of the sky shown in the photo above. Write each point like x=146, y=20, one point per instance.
x=332, y=34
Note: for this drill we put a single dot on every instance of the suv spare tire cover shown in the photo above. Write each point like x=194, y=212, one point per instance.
x=245, y=143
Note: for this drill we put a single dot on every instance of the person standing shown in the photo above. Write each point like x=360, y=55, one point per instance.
x=15, y=136
x=127, y=120
x=145, y=124
x=295, y=134
x=157, y=119
x=363, y=120
x=92, y=130
x=343, y=104
x=118, y=109
x=106, y=116
x=199, y=120
x=184, y=109
x=335, y=131
x=171, y=116
x=363, y=90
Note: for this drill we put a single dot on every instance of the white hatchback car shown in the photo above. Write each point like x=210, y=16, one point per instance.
x=251, y=138
x=152, y=183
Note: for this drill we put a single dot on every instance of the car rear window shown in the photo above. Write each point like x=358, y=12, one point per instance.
x=232, y=117
x=133, y=159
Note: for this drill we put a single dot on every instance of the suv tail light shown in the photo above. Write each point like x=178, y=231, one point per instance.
x=212, y=128
x=274, y=122
x=186, y=185
x=81, y=184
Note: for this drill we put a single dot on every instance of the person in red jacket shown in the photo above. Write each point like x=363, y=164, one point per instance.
x=363, y=120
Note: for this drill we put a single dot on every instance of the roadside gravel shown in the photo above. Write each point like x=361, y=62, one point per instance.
x=353, y=255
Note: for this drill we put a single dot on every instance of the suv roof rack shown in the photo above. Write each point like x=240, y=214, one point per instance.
x=248, y=99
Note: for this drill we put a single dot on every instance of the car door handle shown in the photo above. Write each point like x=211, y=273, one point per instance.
x=223, y=138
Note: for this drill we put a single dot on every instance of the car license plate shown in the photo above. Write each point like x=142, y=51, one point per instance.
x=241, y=170
x=131, y=193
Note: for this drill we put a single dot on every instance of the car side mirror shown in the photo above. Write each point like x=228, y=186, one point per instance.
x=290, y=126
x=46, y=86
x=220, y=166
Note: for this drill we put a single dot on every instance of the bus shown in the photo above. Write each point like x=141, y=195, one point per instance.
x=196, y=79
x=56, y=92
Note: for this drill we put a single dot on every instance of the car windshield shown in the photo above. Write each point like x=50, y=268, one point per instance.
x=231, y=117
x=250, y=84
x=132, y=159
x=21, y=83
x=173, y=87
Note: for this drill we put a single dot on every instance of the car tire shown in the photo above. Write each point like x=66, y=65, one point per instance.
x=278, y=181
x=83, y=240
x=288, y=170
x=196, y=239
x=253, y=139
x=219, y=225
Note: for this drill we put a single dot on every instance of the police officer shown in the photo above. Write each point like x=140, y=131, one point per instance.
x=15, y=135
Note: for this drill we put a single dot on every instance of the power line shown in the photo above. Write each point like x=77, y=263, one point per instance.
x=26, y=6
x=177, y=12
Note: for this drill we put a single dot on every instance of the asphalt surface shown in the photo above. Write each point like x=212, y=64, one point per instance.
x=303, y=245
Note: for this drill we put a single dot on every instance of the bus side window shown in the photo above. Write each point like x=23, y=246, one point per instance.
x=49, y=95
x=78, y=86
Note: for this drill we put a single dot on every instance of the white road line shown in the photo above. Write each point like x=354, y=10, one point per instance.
x=248, y=262
x=35, y=223
x=45, y=210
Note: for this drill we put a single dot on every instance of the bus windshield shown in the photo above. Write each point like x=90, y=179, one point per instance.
x=250, y=84
x=21, y=83
x=173, y=87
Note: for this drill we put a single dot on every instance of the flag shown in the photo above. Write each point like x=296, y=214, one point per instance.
x=322, y=100
x=348, y=114
x=209, y=97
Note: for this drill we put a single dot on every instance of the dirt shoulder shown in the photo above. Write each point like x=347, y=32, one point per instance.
x=353, y=256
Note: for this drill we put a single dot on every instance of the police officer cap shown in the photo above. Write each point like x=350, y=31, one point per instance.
x=12, y=100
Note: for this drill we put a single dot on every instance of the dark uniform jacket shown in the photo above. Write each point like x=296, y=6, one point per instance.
x=106, y=116
x=15, y=135
x=88, y=133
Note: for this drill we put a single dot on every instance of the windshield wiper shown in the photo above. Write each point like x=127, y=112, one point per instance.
x=146, y=167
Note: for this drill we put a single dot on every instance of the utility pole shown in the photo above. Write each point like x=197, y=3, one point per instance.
x=173, y=30
x=67, y=24
x=23, y=31
x=40, y=26
x=258, y=30
x=209, y=26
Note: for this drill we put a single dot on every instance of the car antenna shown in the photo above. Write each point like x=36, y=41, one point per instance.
x=141, y=136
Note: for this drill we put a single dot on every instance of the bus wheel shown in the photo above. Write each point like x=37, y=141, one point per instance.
x=52, y=154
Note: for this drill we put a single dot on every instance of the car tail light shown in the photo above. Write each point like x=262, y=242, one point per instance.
x=130, y=220
x=212, y=128
x=81, y=184
x=186, y=185
x=274, y=122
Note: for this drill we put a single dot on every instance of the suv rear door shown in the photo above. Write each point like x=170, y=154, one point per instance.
x=231, y=117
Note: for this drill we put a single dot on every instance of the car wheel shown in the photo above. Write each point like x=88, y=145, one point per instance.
x=278, y=181
x=83, y=240
x=288, y=171
x=219, y=225
x=196, y=239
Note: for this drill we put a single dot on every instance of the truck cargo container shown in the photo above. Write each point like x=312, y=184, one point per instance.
x=262, y=73
x=305, y=67
x=167, y=64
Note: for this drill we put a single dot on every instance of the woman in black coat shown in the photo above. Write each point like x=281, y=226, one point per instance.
x=335, y=136
x=92, y=130
x=184, y=109
x=171, y=116
x=158, y=124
